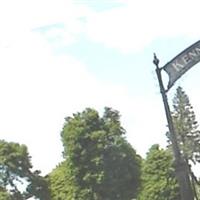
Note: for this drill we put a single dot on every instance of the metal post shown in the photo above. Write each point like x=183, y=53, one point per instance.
x=181, y=168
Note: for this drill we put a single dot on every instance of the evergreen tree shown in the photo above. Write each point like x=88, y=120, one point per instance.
x=101, y=164
x=186, y=127
x=158, y=179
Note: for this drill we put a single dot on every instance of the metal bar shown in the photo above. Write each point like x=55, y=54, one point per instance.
x=181, y=168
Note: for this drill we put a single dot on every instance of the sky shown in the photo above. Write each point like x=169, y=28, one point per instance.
x=58, y=57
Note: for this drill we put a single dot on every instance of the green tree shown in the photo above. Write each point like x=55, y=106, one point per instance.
x=58, y=181
x=158, y=179
x=101, y=164
x=4, y=195
x=16, y=174
x=186, y=127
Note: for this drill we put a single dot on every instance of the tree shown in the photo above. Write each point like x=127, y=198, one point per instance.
x=16, y=174
x=101, y=164
x=186, y=127
x=58, y=181
x=4, y=195
x=158, y=179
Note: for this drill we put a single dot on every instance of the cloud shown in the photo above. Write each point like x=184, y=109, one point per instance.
x=129, y=28
x=133, y=27
x=18, y=17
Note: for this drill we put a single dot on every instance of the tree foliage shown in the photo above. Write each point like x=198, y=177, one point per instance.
x=58, y=181
x=16, y=174
x=4, y=195
x=101, y=164
x=158, y=179
x=186, y=126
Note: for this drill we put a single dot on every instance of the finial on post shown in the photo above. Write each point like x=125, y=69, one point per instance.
x=156, y=60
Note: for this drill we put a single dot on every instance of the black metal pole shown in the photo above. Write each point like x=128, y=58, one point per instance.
x=181, y=168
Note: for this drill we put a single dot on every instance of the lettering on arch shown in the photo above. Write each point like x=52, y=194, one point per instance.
x=182, y=63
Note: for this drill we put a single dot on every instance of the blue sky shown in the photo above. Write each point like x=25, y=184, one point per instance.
x=61, y=56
